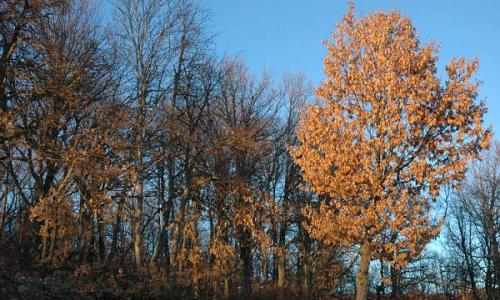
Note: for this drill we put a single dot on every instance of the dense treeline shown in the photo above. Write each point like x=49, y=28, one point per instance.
x=135, y=162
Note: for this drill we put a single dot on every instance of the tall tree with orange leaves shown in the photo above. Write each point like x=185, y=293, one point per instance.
x=386, y=137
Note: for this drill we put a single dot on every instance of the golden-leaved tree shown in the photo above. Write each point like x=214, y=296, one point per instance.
x=387, y=135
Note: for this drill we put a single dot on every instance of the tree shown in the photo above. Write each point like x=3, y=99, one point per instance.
x=244, y=126
x=473, y=226
x=386, y=137
x=59, y=148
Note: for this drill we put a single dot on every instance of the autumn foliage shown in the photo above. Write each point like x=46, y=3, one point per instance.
x=138, y=163
x=387, y=136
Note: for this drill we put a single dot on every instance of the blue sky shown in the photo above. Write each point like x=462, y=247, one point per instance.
x=280, y=35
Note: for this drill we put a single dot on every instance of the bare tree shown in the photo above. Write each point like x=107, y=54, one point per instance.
x=473, y=229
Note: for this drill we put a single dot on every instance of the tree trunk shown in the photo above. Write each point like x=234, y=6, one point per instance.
x=281, y=267
x=137, y=242
x=53, y=243
x=395, y=283
x=282, y=253
x=138, y=213
x=161, y=221
x=4, y=216
x=226, y=288
x=44, y=248
x=246, y=257
x=282, y=230
x=362, y=275
x=117, y=226
x=186, y=197
x=381, y=286
x=304, y=262
x=100, y=237
x=137, y=230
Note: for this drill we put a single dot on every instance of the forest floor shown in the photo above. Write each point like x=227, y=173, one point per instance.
x=29, y=284
x=21, y=280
